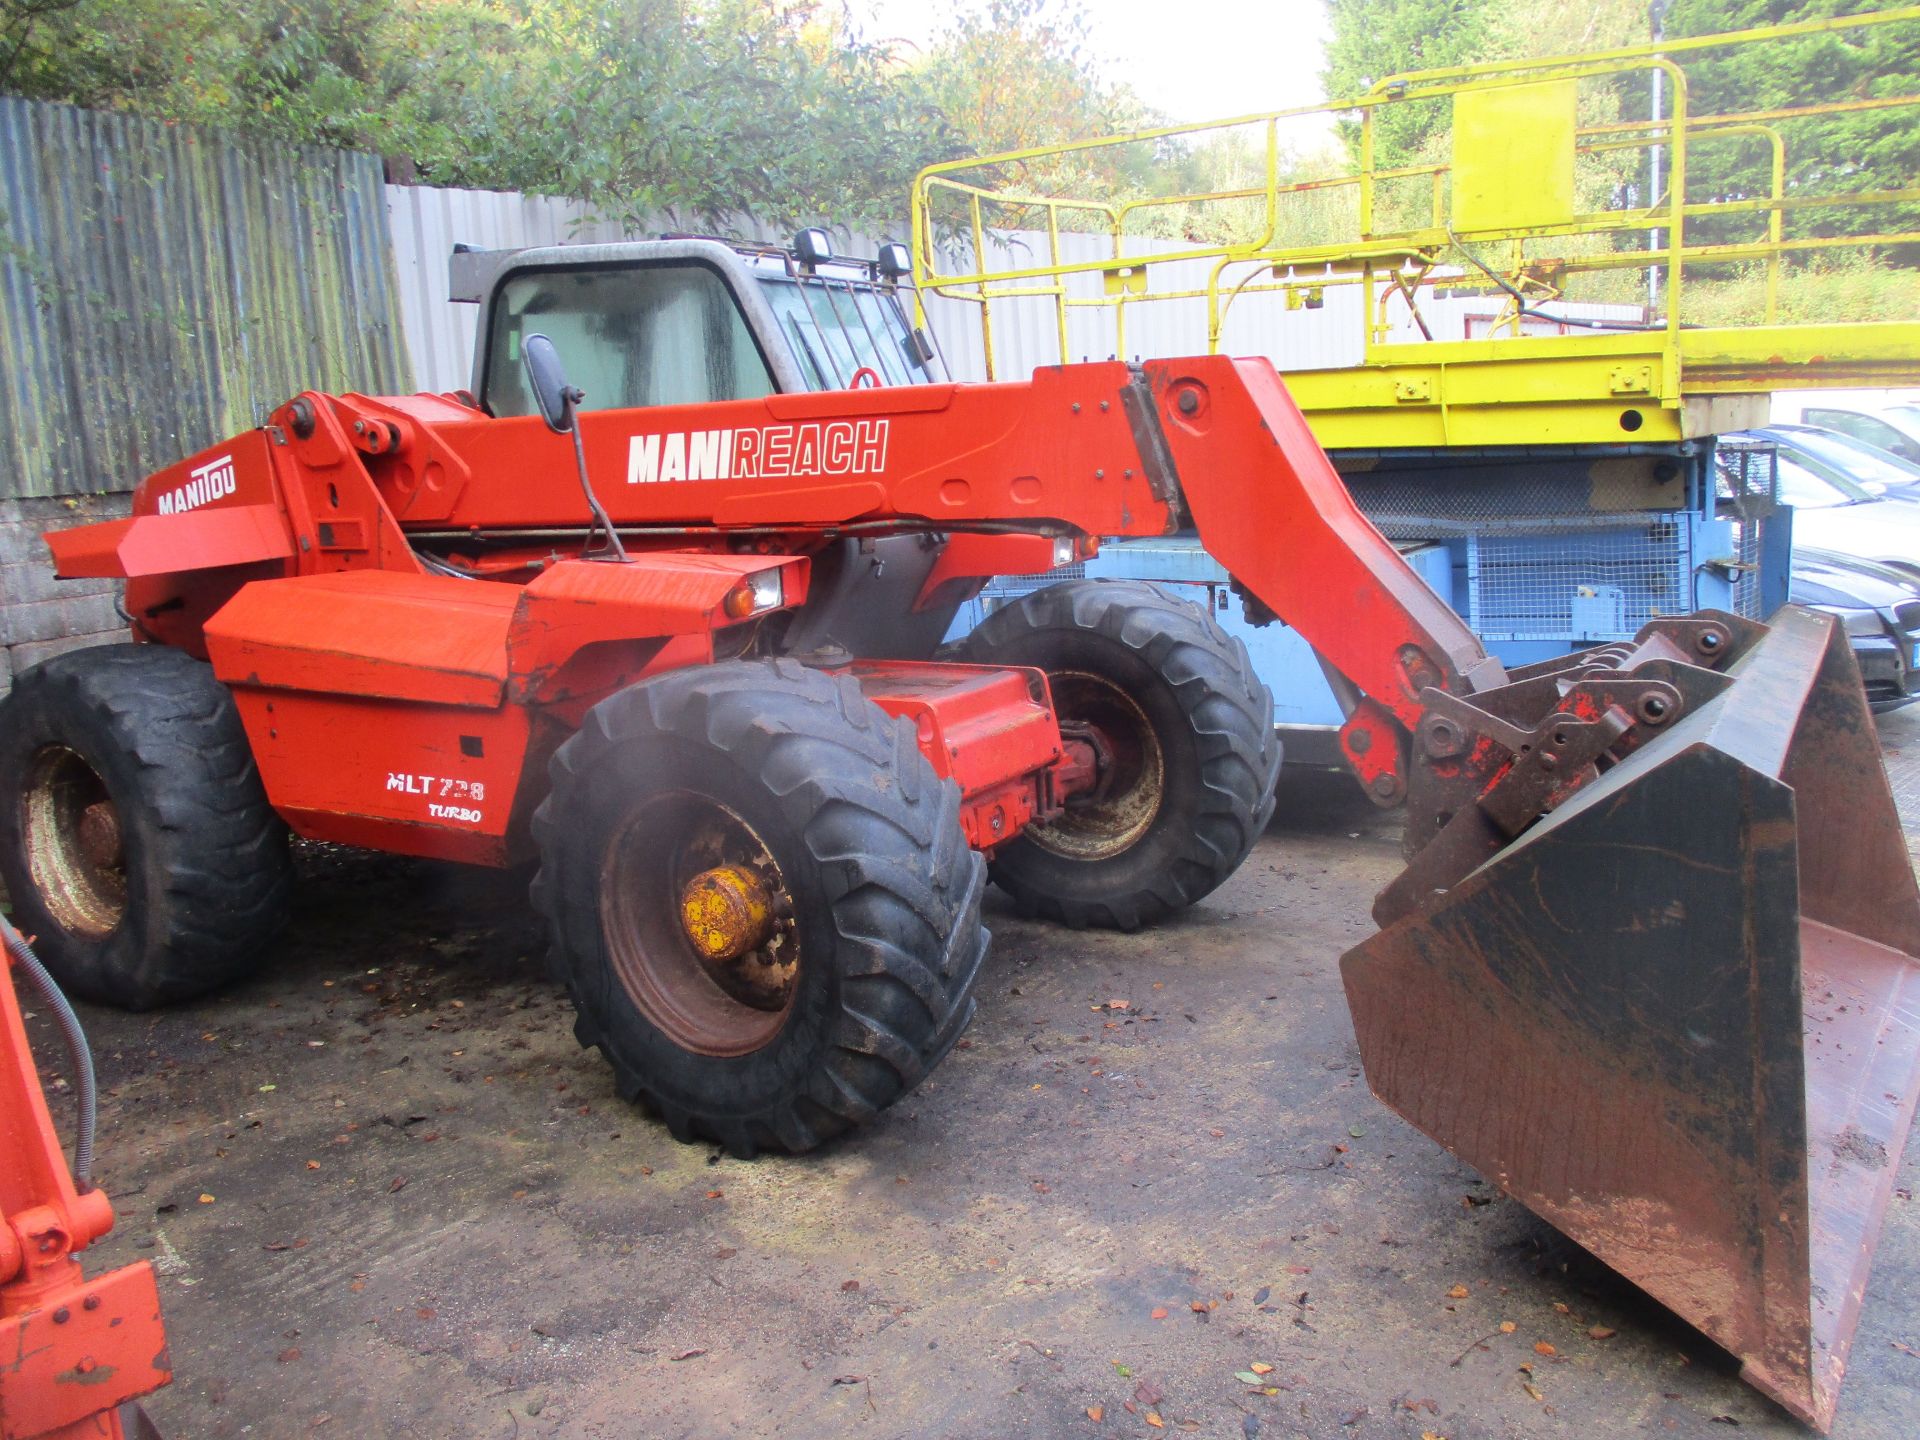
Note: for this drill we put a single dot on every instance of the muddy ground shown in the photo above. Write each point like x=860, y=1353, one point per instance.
x=389, y=1196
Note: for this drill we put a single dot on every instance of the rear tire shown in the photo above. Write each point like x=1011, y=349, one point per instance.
x=791, y=777
x=1195, y=753
x=136, y=840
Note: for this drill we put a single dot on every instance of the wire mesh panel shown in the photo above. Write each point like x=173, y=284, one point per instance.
x=1578, y=583
x=1012, y=587
x=1747, y=484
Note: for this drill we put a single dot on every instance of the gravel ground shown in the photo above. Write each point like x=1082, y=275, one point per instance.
x=389, y=1196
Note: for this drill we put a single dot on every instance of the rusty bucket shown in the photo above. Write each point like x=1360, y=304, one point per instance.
x=1679, y=1018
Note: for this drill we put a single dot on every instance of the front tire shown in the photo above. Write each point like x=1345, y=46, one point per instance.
x=1186, y=731
x=136, y=840
x=761, y=900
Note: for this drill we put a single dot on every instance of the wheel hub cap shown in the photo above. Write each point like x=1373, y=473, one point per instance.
x=726, y=912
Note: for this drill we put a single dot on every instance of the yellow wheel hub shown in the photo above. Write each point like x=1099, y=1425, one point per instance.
x=726, y=913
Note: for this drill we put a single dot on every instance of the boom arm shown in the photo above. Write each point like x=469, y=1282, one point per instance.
x=1096, y=450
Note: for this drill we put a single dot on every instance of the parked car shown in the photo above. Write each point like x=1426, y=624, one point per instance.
x=1880, y=608
x=1837, y=514
x=1868, y=466
x=1895, y=428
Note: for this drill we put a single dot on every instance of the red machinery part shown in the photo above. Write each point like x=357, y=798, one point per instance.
x=72, y=1350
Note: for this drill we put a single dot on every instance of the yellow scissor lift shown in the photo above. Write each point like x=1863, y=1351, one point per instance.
x=1563, y=483
x=1508, y=214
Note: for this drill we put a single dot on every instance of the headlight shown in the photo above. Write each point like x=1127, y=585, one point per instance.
x=1063, y=551
x=755, y=594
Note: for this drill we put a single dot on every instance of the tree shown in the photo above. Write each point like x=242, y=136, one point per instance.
x=1019, y=74
x=1842, y=153
x=692, y=110
x=1373, y=39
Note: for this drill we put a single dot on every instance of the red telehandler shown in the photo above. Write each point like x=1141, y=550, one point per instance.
x=1650, y=966
x=74, y=1351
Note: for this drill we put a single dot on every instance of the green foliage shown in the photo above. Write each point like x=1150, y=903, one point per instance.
x=700, y=109
x=1829, y=289
x=1373, y=39
x=1844, y=153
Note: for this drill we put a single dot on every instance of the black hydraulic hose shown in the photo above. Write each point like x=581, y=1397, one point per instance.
x=79, y=1052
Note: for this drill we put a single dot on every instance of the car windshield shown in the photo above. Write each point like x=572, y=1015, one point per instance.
x=838, y=328
x=1808, y=489
x=1866, y=464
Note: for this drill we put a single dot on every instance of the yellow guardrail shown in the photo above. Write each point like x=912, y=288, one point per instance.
x=1500, y=216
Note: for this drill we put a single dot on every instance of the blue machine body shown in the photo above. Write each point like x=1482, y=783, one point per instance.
x=1542, y=553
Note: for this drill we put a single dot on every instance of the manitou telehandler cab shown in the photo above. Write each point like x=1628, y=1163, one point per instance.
x=658, y=604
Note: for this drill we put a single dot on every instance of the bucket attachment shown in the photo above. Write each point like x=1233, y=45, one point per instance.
x=1679, y=1016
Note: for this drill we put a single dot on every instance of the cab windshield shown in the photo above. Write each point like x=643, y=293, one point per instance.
x=838, y=328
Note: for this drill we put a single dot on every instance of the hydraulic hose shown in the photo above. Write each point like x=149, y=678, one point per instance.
x=79, y=1053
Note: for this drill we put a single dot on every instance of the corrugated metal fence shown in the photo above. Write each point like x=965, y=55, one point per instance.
x=161, y=286
x=428, y=223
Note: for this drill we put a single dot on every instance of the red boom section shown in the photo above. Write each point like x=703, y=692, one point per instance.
x=393, y=701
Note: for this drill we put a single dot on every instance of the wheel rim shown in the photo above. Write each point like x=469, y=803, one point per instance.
x=76, y=852
x=1101, y=823
x=699, y=925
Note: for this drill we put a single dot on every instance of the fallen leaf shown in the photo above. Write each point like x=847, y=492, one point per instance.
x=1119, y=1004
x=1905, y=1349
x=1125, y=1372
x=1096, y=1413
x=1356, y=1132
x=1354, y=1417
x=1600, y=1332
x=399, y=1184
x=206, y=1199
x=1260, y=1295
x=1531, y=1389
x=1199, y=1307
x=695, y=1355
x=716, y=1194
x=1507, y=1327
x=1260, y=1367
x=313, y=1164
x=1458, y=1292
x=1155, y=1421
x=849, y=1285
x=1542, y=1347
x=1217, y=1134
x=425, y=1313
x=1148, y=1393
x=1159, y=1312
x=289, y=1355
x=1246, y=1377
x=1561, y=1306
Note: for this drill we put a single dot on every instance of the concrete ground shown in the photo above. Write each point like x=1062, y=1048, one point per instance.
x=389, y=1197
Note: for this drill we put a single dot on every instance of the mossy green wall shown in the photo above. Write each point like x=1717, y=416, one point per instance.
x=162, y=287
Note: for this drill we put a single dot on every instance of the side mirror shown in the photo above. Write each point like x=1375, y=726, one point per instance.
x=547, y=378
